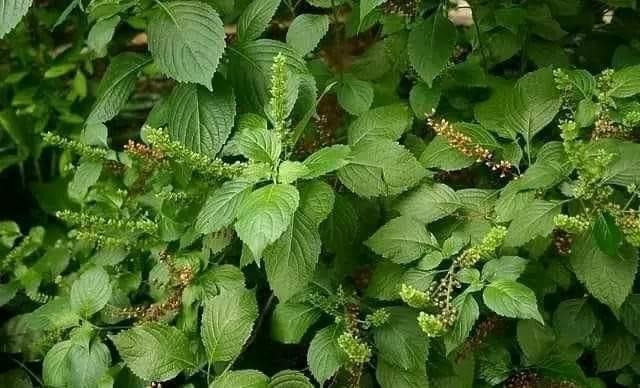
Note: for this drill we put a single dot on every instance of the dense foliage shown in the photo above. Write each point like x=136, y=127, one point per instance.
x=338, y=193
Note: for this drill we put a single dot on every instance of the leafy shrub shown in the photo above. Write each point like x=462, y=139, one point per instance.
x=395, y=193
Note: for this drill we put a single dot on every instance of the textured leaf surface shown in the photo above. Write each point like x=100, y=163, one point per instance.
x=324, y=355
x=91, y=292
x=400, y=341
x=265, y=215
x=221, y=206
x=511, y=299
x=248, y=378
x=11, y=11
x=430, y=45
x=255, y=19
x=536, y=219
x=186, y=39
x=154, y=351
x=387, y=122
x=429, y=202
x=227, y=322
x=290, y=321
x=200, y=119
x=116, y=85
x=402, y=240
x=306, y=31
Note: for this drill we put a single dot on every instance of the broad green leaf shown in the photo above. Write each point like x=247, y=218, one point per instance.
x=341, y=228
x=354, y=95
x=86, y=175
x=402, y=240
x=90, y=292
x=324, y=355
x=265, y=215
x=16, y=378
x=366, y=6
x=467, y=316
x=249, y=71
x=511, y=203
x=625, y=82
x=506, y=267
x=11, y=11
x=424, y=99
x=247, y=378
x=494, y=365
x=608, y=278
x=290, y=321
x=511, y=299
x=573, y=321
x=221, y=206
x=607, y=234
x=535, y=340
x=116, y=85
x=154, y=351
x=615, y=351
x=290, y=379
x=429, y=202
x=400, y=341
x=536, y=219
x=431, y=43
x=385, y=281
x=386, y=122
x=624, y=170
x=380, y=168
x=227, y=322
x=221, y=279
x=186, y=39
x=259, y=145
x=200, y=119
x=55, y=366
x=306, y=31
x=327, y=160
x=88, y=364
x=534, y=103
x=316, y=201
x=630, y=314
x=291, y=261
x=586, y=112
x=290, y=171
x=101, y=34
x=391, y=376
x=256, y=18
x=439, y=154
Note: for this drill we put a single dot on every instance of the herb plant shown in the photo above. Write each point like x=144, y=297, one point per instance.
x=333, y=193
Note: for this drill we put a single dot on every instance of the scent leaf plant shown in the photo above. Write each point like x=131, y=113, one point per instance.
x=320, y=193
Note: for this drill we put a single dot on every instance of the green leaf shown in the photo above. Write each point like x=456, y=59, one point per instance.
x=534, y=103
x=227, y=322
x=11, y=11
x=467, y=317
x=247, y=378
x=609, y=279
x=630, y=314
x=386, y=122
x=88, y=364
x=265, y=215
x=429, y=202
x=615, y=351
x=250, y=66
x=291, y=320
x=154, y=351
x=439, y=154
x=494, y=365
x=392, y=376
x=400, y=341
x=402, y=240
x=290, y=171
x=535, y=340
x=586, y=112
x=290, y=379
x=306, y=31
x=607, y=234
x=186, y=39
x=327, y=160
x=366, y=6
x=573, y=321
x=291, y=261
x=324, y=355
x=259, y=145
x=55, y=366
x=380, y=168
x=511, y=299
x=385, y=281
x=86, y=175
x=116, y=85
x=431, y=43
x=256, y=18
x=506, y=267
x=221, y=279
x=221, y=206
x=424, y=99
x=90, y=292
x=536, y=219
x=200, y=119
x=101, y=34
x=625, y=82
x=354, y=95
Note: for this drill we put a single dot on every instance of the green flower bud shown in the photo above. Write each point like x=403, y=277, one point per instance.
x=414, y=297
x=571, y=224
x=431, y=324
x=356, y=350
x=378, y=318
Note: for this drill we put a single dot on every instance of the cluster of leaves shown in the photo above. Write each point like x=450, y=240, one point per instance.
x=392, y=193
